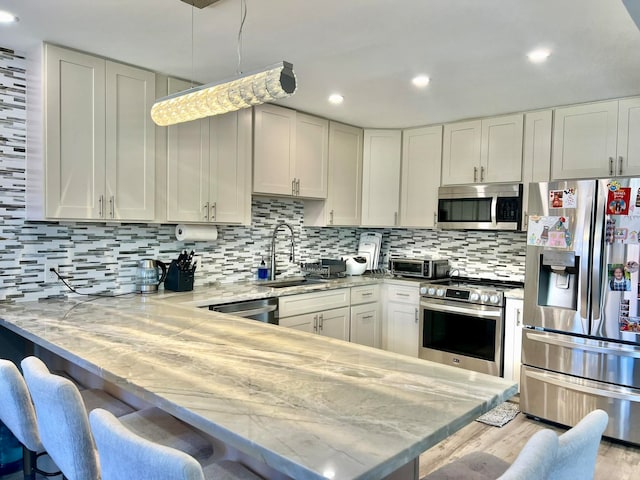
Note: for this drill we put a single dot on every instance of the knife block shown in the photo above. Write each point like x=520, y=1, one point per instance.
x=179, y=280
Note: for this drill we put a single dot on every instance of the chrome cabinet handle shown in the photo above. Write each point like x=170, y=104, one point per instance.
x=435, y=219
x=482, y=174
x=331, y=217
x=321, y=318
x=475, y=174
x=610, y=165
x=212, y=214
x=367, y=294
x=112, y=208
x=367, y=317
x=315, y=323
x=100, y=200
x=298, y=187
x=402, y=294
x=293, y=186
x=518, y=317
x=206, y=211
x=395, y=218
x=620, y=165
x=416, y=315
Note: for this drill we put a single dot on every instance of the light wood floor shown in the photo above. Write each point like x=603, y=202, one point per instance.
x=615, y=460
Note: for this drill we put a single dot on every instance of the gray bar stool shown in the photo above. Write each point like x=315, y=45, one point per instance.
x=64, y=429
x=125, y=455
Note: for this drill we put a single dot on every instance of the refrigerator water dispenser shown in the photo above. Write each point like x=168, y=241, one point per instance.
x=558, y=280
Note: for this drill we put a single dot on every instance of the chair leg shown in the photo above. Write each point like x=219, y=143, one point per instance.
x=28, y=464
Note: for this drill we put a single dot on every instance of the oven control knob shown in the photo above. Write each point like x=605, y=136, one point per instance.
x=484, y=298
x=494, y=299
x=423, y=290
x=440, y=292
x=431, y=291
x=474, y=297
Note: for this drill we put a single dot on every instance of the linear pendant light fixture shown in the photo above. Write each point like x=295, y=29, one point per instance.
x=272, y=83
x=268, y=84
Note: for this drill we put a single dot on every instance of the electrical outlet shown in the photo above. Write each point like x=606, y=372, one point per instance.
x=49, y=276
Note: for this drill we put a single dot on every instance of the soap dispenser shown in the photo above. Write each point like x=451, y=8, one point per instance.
x=263, y=271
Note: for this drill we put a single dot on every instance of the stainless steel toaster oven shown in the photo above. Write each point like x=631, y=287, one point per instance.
x=429, y=268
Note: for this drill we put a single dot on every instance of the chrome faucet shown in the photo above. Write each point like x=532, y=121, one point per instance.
x=272, y=274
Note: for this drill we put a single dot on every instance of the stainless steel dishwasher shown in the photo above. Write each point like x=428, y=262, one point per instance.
x=262, y=310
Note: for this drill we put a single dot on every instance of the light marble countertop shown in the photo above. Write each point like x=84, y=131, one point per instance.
x=309, y=406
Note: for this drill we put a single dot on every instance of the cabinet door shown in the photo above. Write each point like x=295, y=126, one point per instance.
x=381, y=177
x=513, y=339
x=501, y=151
x=421, y=163
x=584, y=141
x=187, y=166
x=536, y=157
x=334, y=323
x=365, y=324
x=130, y=143
x=274, y=150
x=314, y=302
x=461, y=146
x=230, y=167
x=312, y=156
x=629, y=137
x=307, y=322
x=402, y=330
x=74, y=134
x=344, y=193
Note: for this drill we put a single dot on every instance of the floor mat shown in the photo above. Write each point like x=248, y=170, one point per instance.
x=501, y=415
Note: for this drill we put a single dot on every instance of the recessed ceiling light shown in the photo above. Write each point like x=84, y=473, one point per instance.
x=421, y=81
x=336, y=99
x=539, y=55
x=6, y=17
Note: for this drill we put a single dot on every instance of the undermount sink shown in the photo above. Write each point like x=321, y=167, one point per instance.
x=290, y=282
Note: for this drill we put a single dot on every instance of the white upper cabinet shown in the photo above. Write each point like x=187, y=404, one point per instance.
x=381, y=177
x=421, y=161
x=209, y=167
x=98, y=139
x=344, y=193
x=629, y=136
x=290, y=153
x=584, y=141
x=483, y=151
x=536, y=156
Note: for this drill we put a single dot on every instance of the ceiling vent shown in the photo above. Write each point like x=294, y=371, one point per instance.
x=200, y=3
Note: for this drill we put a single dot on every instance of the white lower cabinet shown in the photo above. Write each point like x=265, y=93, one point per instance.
x=366, y=316
x=401, y=327
x=326, y=312
x=513, y=339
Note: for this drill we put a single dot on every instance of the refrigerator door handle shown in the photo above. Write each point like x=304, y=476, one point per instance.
x=555, y=379
x=595, y=346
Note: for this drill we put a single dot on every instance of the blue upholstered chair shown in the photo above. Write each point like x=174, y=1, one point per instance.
x=578, y=449
x=534, y=462
x=64, y=428
x=125, y=455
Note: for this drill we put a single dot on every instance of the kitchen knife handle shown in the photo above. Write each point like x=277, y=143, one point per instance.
x=112, y=206
x=206, y=211
x=100, y=204
x=620, y=165
x=610, y=165
x=212, y=215
x=475, y=174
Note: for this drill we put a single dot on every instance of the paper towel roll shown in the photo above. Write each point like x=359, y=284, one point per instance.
x=196, y=233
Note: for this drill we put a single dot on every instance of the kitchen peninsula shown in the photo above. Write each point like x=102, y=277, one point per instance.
x=307, y=406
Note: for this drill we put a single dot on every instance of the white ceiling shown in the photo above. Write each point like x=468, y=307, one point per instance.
x=368, y=50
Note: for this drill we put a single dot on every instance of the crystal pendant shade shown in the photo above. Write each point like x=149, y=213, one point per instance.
x=272, y=83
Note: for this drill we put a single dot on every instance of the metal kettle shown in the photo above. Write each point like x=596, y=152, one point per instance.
x=149, y=275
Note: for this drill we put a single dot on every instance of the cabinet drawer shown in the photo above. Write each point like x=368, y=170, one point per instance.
x=365, y=294
x=397, y=293
x=313, y=302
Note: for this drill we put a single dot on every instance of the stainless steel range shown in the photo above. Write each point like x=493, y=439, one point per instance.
x=462, y=323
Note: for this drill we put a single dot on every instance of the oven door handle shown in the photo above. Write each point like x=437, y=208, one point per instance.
x=465, y=311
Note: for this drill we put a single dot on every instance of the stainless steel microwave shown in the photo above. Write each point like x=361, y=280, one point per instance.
x=419, y=267
x=480, y=207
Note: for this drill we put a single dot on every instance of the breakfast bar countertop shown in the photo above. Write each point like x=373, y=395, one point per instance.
x=309, y=406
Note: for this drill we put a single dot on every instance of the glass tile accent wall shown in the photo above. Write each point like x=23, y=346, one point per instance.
x=98, y=257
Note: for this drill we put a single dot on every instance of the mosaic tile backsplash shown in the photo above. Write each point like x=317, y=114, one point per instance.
x=97, y=257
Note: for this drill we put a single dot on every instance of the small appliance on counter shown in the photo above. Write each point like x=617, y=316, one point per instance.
x=369, y=248
x=149, y=275
x=356, y=265
x=325, y=268
x=181, y=273
x=429, y=268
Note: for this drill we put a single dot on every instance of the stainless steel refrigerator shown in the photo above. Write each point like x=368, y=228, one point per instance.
x=581, y=341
